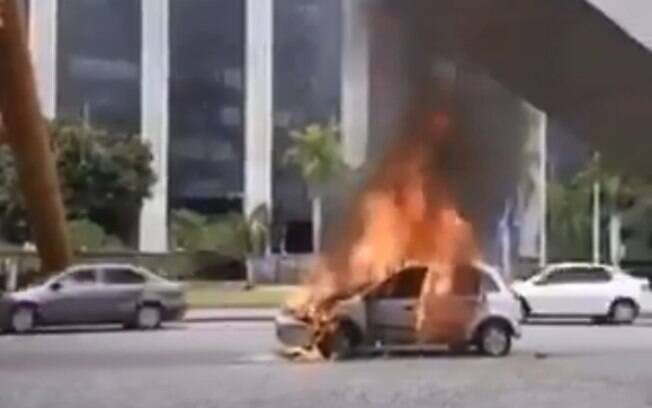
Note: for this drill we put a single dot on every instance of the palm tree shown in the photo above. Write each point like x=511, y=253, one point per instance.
x=569, y=220
x=619, y=191
x=572, y=202
x=316, y=153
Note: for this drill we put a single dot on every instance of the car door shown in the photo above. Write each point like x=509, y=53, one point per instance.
x=547, y=294
x=122, y=291
x=571, y=291
x=588, y=291
x=392, y=308
x=72, y=299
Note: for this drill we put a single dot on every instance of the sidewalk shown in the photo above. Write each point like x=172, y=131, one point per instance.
x=230, y=315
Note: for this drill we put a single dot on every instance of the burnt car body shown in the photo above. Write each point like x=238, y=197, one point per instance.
x=386, y=317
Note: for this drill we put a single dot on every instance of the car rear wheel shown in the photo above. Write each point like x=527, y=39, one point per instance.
x=23, y=319
x=495, y=339
x=623, y=312
x=149, y=317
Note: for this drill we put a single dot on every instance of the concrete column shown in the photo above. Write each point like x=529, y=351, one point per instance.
x=355, y=82
x=258, y=104
x=533, y=237
x=43, y=46
x=154, y=121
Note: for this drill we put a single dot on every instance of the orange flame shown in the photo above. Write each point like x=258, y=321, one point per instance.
x=405, y=214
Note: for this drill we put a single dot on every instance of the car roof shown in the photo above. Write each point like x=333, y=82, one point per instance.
x=482, y=266
x=107, y=265
x=578, y=265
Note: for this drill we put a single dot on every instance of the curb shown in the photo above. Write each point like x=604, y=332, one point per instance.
x=234, y=319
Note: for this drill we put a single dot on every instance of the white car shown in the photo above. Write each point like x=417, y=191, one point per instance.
x=385, y=318
x=600, y=292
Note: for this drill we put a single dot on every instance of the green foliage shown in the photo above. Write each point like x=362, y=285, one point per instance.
x=231, y=235
x=569, y=221
x=104, y=178
x=570, y=206
x=88, y=236
x=316, y=153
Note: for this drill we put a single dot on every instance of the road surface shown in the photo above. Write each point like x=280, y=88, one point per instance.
x=237, y=365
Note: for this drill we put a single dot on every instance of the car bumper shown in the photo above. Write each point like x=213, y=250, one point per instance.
x=517, y=331
x=292, y=332
x=175, y=312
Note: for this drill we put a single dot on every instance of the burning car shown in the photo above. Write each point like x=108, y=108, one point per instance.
x=386, y=316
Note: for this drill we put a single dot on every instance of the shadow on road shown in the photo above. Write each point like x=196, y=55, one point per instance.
x=585, y=323
x=63, y=330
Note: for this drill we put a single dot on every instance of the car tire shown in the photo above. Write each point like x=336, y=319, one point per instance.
x=148, y=317
x=339, y=345
x=623, y=311
x=494, y=339
x=23, y=319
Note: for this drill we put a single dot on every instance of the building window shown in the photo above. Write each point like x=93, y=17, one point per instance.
x=98, y=65
x=307, y=78
x=206, y=104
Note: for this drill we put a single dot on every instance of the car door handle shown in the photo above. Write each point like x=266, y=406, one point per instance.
x=408, y=308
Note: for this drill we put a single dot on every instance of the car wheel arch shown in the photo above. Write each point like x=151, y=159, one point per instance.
x=26, y=304
x=150, y=303
x=499, y=320
x=624, y=299
x=352, y=329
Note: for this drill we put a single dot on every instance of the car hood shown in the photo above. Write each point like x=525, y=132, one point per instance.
x=30, y=294
x=519, y=285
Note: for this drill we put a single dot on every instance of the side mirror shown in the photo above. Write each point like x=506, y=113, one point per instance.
x=56, y=286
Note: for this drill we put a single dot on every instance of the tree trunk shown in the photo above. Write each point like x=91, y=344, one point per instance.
x=251, y=272
x=316, y=223
x=29, y=140
x=615, y=243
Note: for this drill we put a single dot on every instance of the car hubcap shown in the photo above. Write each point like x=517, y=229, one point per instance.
x=495, y=341
x=23, y=320
x=623, y=313
x=148, y=317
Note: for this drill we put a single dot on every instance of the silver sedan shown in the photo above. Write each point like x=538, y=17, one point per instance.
x=97, y=294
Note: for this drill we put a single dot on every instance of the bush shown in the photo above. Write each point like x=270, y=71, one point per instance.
x=104, y=178
x=85, y=235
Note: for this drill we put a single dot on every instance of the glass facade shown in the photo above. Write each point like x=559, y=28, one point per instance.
x=307, y=78
x=98, y=62
x=206, y=105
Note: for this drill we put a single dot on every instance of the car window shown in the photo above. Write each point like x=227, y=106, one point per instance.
x=80, y=277
x=407, y=284
x=488, y=284
x=578, y=275
x=122, y=276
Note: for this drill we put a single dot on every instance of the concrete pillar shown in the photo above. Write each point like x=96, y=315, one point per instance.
x=533, y=237
x=355, y=82
x=43, y=46
x=258, y=104
x=154, y=121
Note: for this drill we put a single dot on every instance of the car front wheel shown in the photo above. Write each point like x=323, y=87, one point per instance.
x=495, y=339
x=23, y=319
x=339, y=345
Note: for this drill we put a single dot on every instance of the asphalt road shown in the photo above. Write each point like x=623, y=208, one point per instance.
x=237, y=365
